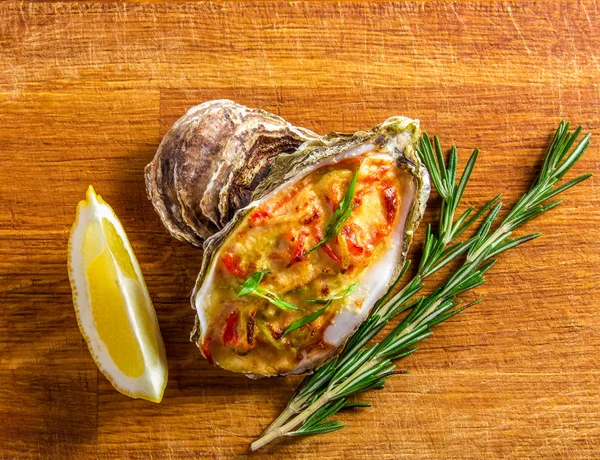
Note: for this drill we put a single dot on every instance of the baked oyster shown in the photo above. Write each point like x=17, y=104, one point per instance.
x=209, y=163
x=293, y=274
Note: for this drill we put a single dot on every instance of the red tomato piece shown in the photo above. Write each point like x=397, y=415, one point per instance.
x=206, y=350
x=375, y=176
x=233, y=265
x=261, y=215
x=378, y=235
x=326, y=248
x=299, y=251
x=258, y=217
x=230, y=335
x=390, y=203
x=331, y=253
x=349, y=233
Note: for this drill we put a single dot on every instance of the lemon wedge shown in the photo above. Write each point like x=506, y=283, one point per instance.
x=112, y=303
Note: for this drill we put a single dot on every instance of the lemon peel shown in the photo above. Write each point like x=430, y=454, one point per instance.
x=112, y=304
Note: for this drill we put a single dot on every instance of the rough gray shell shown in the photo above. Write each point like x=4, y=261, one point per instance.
x=209, y=163
x=397, y=135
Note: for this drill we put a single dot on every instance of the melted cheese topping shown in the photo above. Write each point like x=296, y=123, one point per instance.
x=246, y=334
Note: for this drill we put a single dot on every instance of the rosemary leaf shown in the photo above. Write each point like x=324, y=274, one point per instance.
x=327, y=427
x=351, y=405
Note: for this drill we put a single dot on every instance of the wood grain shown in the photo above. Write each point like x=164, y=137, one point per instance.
x=88, y=89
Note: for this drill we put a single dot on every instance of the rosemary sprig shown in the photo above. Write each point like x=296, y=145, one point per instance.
x=327, y=301
x=340, y=215
x=557, y=163
x=370, y=367
x=252, y=286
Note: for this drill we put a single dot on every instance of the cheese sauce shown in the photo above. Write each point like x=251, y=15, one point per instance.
x=246, y=334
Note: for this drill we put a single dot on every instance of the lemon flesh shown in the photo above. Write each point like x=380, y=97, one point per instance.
x=113, y=306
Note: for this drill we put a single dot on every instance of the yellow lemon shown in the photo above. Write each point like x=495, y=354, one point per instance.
x=112, y=303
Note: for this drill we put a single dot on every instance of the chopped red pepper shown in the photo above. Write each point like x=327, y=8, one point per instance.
x=390, y=201
x=375, y=176
x=299, y=251
x=308, y=219
x=349, y=233
x=378, y=234
x=326, y=248
x=206, y=350
x=335, y=195
x=371, y=178
x=230, y=335
x=288, y=196
x=331, y=253
x=232, y=264
x=258, y=217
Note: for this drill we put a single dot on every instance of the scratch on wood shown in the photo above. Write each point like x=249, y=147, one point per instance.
x=586, y=15
x=510, y=15
x=453, y=7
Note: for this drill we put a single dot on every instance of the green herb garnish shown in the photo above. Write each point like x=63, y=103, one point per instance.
x=340, y=216
x=306, y=319
x=252, y=286
x=338, y=295
x=328, y=301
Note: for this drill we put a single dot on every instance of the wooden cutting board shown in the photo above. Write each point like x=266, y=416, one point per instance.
x=86, y=93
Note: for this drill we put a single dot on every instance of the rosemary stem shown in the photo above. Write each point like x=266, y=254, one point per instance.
x=386, y=308
x=292, y=409
x=293, y=423
x=329, y=395
x=266, y=439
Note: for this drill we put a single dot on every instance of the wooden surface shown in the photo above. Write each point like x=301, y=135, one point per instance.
x=86, y=93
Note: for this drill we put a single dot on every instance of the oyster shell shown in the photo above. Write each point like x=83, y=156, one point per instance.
x=287, y=217
x=209, y=163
